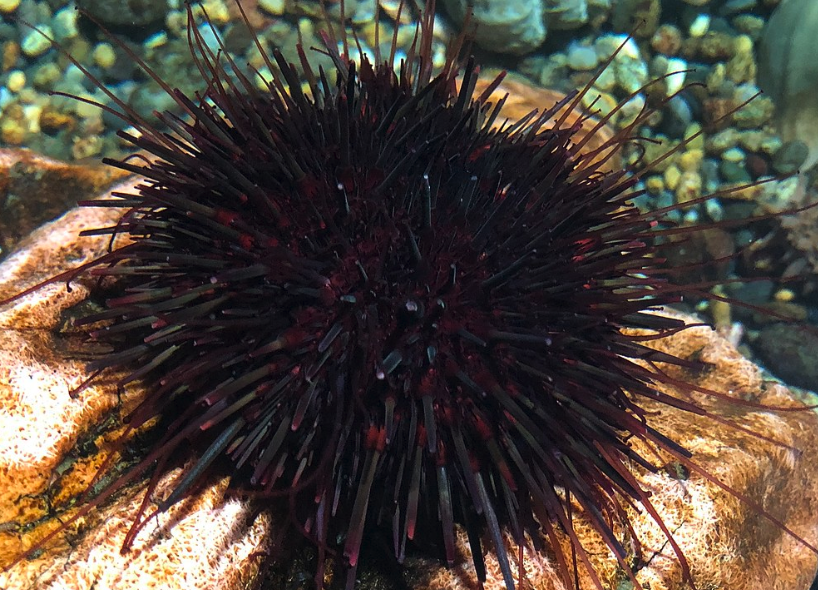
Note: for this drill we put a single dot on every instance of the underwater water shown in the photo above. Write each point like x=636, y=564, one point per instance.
x=693, y=63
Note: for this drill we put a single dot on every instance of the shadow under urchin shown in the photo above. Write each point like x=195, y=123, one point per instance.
x=385, y=309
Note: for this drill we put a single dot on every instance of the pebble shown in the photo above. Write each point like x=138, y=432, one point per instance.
x=716, y=46
x=691, y=160
x=10, y=55
x=755, y=113
x=789, y=352
x=85, y=110
x=790, y=157
x=31, y=115
x=566, y=15
x=630, y=110
x=606, y=80
x=16, y=81
x=714, y=209
x=734, y=155
x=581, y=57
x=672, y=176
x=676, y=68
x=699, y=26
x=678, y=116
x=751, y=139
x=217, y=11
x=86, y=147
x=721, y=141
x=689, y=187
x=104, y=55
x=631, y=73
x=53, y=120
x=64, y=24
x=720, y=312
x=741, y=67
x=12, y=129
x=667, y=40
x=694, y=137
x=9, y=6
x=770, y=144
x=6, y=97
x=778, y=196
x=34, y=43
x=46, y=76
x=274, y=7
x=155, y=41
x=654, y=185
x=505, y=26
x=600, y=102
x=750, y=25
x=735, y=172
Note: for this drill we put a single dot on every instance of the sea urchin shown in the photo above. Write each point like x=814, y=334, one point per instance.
x=384, y=308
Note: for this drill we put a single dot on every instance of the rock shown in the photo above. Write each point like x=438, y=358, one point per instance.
x=788, y=72
x=126, y=13
x=791, y=157
x=504, y=26
x=756, y=112
x=667, y=40
x=214, y=541
x=524, y=98
x=34, y=189
x=581, y=57
x=637, y=17
x=566, y=15
x=789, y=352
x=37, y=42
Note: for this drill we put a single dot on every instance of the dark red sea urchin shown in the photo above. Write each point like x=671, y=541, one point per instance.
x=382, y=308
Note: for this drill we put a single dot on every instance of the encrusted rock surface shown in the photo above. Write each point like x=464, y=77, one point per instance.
x=204, y=542
x=35, y=189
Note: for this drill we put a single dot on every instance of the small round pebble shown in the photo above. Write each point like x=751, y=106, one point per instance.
x=677, y=72
x=274, y=7
x=581, y=57
x=47, y=75
x=691, y=160
x=104, y=55
x=9, y=6
x=694, y=137
x=672, y=176
x=734, y=155
x=654, y=184
x=36, y=43
x=667, y=40
x=16, y=81
x=64, y=23
x=699, y=26
x=722, y=141
x=689, y=187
